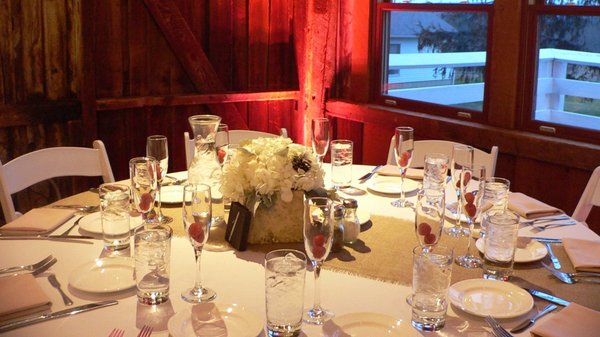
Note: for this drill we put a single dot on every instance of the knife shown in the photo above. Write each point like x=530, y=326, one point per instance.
x=43, y=237
x=526, y=323
x=369, y=175
x=553, y=257
x=546, y=240
x=58, y=314
x=548, y=297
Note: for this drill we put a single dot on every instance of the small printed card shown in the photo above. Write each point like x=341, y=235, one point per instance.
x=238, y=226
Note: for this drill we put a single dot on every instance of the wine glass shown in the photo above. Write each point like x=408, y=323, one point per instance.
x=403, y=148
x=472, y=201
x=320, y=138
x=318, y=236
x=158, y=148
x=222, y=143
x=144, y=184
x=429, y=217
x=197, y=215
x=460, y=170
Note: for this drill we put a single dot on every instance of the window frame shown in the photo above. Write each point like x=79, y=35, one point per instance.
x=380, y=25
x=526, y=105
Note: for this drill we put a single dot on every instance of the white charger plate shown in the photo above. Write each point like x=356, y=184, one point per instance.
x=534, y=251
x=230, y=320
x=392, y=186
x=104, y=275
x=481, y=297
x=172, y=194
x=367, y=324
x=93, y=224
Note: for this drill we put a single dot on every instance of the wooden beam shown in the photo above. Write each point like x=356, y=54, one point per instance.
x=517, y=143
x=87, y=93
x=46, y=113
x=138, y=102
x=190, y=54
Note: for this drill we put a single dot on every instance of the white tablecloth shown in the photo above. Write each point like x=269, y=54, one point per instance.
x=237, y=278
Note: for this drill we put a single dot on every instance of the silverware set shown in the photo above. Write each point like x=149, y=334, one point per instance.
x=54, y=282
x=35, y=268
x=79, y=208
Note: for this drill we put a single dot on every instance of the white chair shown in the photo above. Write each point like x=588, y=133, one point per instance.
x=235, y=137
x=589, y=198
x=422, y=147
x=40, y=165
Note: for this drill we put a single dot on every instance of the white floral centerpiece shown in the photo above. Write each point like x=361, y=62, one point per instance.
x=269, y=177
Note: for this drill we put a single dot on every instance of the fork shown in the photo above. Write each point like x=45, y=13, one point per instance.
x=497, y=329
x=571, y=278
x=30, y=267
x=116, y=333
x=145, y=332
x=544, y=219
x=553, y=224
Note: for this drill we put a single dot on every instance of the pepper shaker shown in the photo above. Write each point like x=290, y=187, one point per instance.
x=338, y=228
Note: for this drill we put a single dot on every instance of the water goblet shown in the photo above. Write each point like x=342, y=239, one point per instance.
x=158, y=148
x=144, y=184
x=320, y=138
x=462, y=161
x=318, y=236
x=429, y=216
x=403, y=148
x=472, y=201
x=197, y=215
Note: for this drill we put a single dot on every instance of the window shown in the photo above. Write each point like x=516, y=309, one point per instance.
x=565, y=65
x=441, y=67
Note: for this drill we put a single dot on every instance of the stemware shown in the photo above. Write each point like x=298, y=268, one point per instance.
x=144, y=184
x=462, y=161
x=320, y=138
x=158, y=148
x=197, y=215
x=403, y=149
x=318, y=236
x=472, y=201
x=222, y=143
x=429, y=217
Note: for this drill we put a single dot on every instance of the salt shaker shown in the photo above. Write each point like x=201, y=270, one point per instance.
x=338, y=228
x=351, y=222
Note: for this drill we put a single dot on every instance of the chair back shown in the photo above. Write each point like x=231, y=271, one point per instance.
x=44, y=164
x=235, y=137
x=589, y=198
x=422, y=147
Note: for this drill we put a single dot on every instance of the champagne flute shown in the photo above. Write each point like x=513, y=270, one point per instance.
x=320, y=138
x=144, y=184
x=429, y=217
x=222, y=143
x=197, y=215
x=158, y=148
x=318, y=236
x=460, y=170
x=472, y=200
x=403, y=148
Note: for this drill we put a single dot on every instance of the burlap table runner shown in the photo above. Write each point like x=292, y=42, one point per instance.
x=384, y=252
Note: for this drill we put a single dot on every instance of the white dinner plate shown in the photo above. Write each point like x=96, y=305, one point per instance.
x=533, y=251
x=450, y=213
x=498, y=299
x=215, y=319
x=104, y=275
x=93, y=224
x=366, y=324
x=172, y=194
x=392, y=186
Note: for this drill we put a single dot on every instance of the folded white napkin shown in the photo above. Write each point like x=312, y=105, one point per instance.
x=21, y=296
x=38, y=221
x=574, y=320
x=529, y=207
x=584, y=254
x=392, y=170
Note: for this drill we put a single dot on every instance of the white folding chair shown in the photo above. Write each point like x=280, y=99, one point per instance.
x=422, y=147
x=589, y=198
x=40, y=165
x=235, y=137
